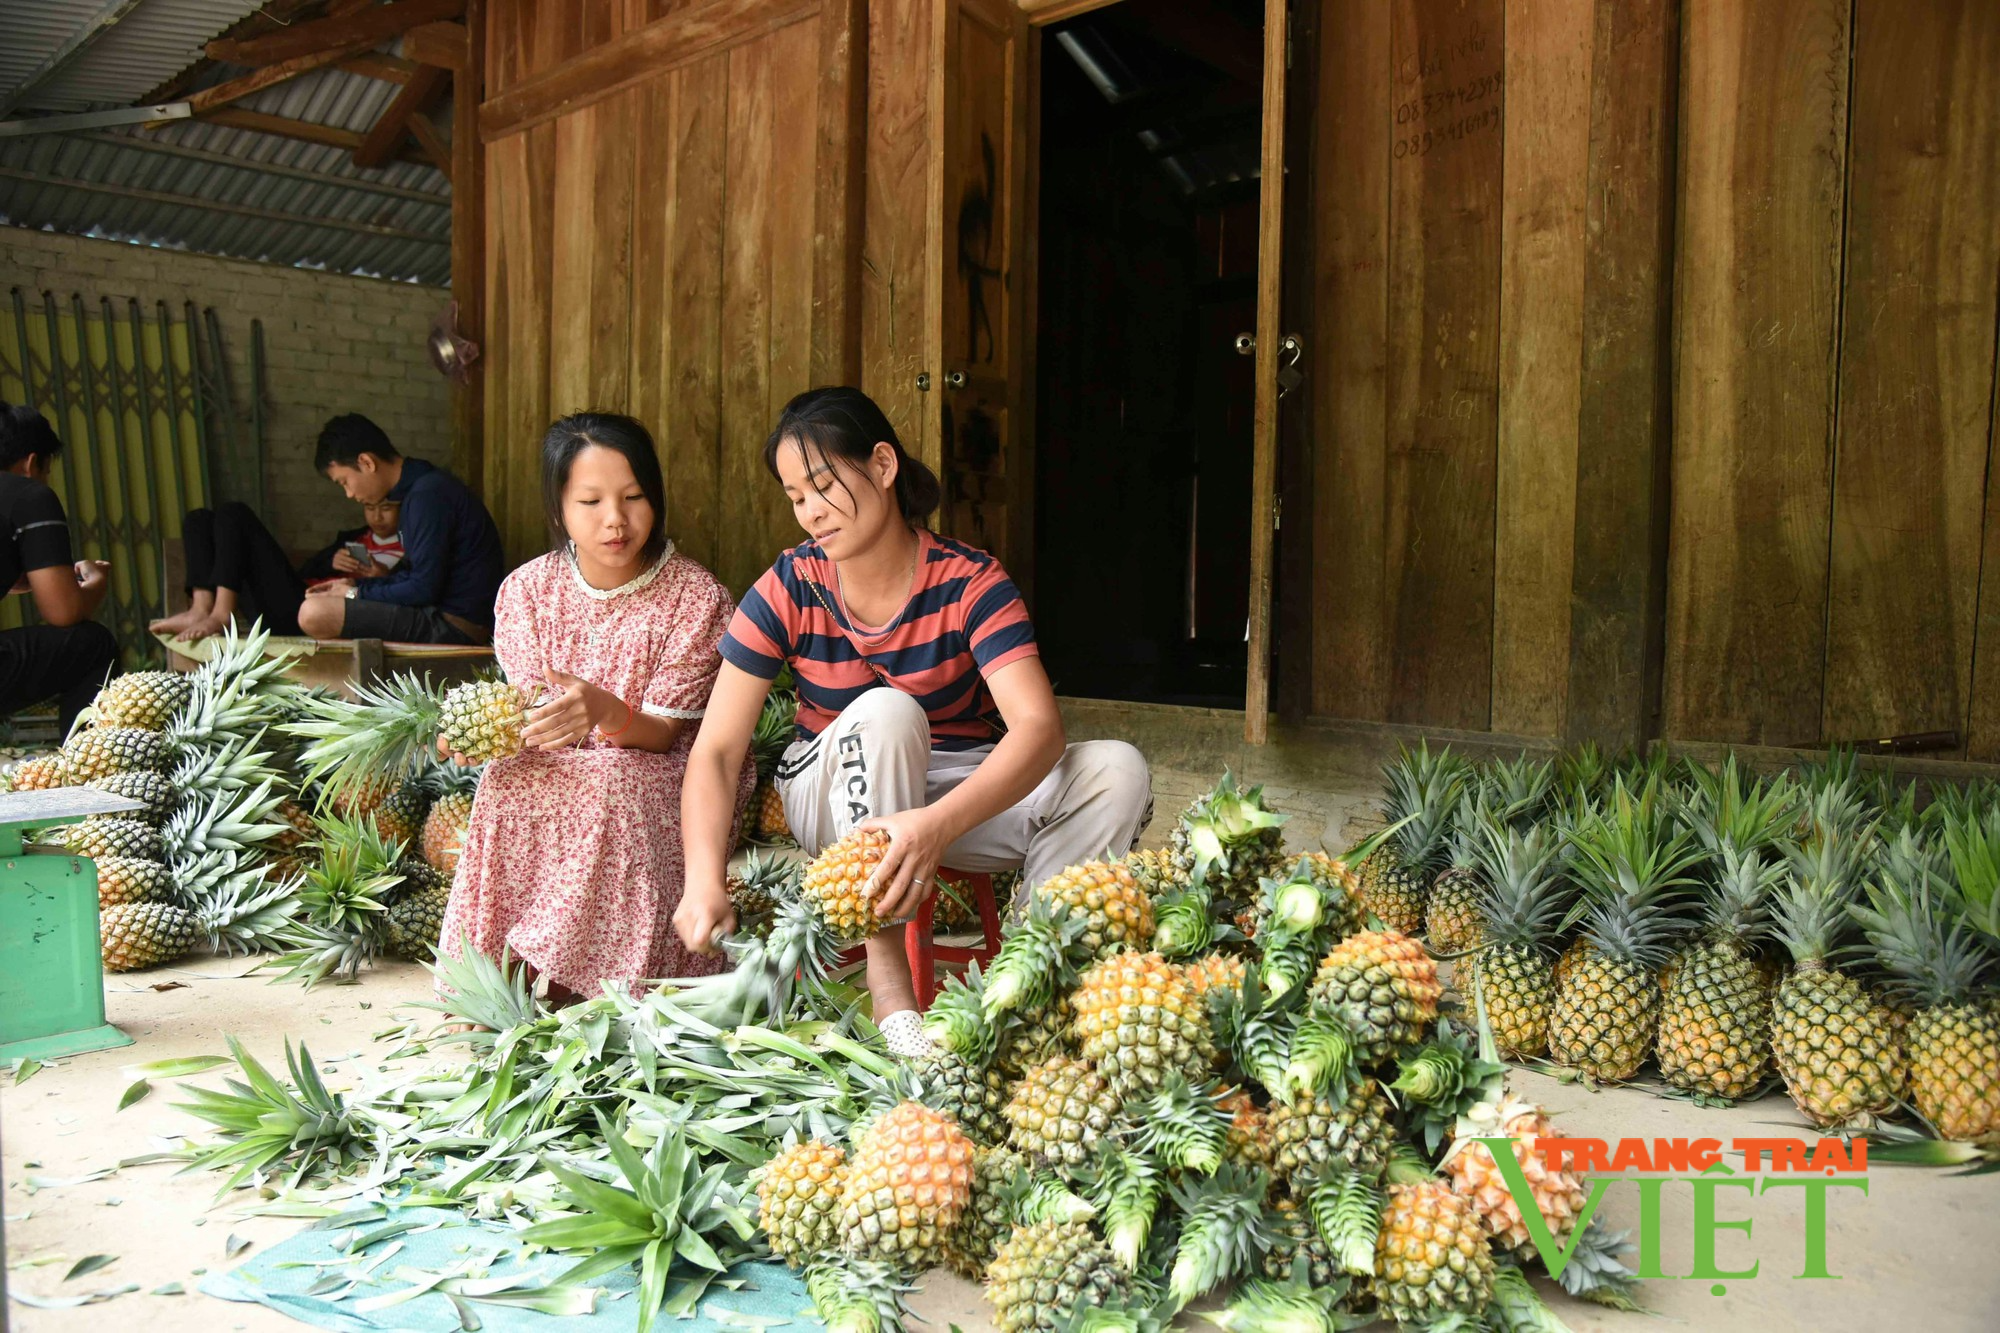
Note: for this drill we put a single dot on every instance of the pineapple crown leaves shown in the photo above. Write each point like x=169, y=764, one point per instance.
x=1722, y=805
x=385, y=730
x=1125, y=1187
x=347, y=890
x=237, y=820
x=1972, y=846
x=1286, y=958
x=1632, y=872
x=1737, y=905
x=1044, y=1196
x=1445, y=1079
x=853, y=1295
x=1295, y=903
x=229, y=764
x=957, y=1020
x=1956, y=802
x=1346, y=1210
x=1424, y=795
x=1320, y=1058
x=1595, y=1273
x=1182, y=921
x=1580, y=774
x=1223, y=1230
x=1523, y=899
x=1519, y=789
x=1264, y=1306
x=774, y=730
x=241, y=909
x=1183, y=1125
x=1517, y=1307
x=262, y=1122
x=1039, y=956
x=1224, y=819
x=314, y=951
x=1809, y=911
x=1931, y=956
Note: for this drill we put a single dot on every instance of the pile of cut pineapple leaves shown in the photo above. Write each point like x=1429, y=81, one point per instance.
x=621, y=1131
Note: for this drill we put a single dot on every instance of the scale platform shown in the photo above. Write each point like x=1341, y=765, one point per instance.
x=51, y=966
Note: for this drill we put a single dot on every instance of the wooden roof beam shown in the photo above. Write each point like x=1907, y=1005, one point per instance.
x=367, y=27
x=235, y=90
x=424, y=130
x=375, y=65
x=331, y=136
x=386, y=135
x=442, y=44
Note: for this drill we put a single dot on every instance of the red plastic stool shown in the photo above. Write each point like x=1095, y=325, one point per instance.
x=919, y=938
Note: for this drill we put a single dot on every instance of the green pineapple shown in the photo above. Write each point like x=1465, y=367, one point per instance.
x=416, y=913
x=1044, y=1274
x=1424, y=790
x=1521, y=913
x=1632, y=872
x=101, y=751
x=1451, y=910
x=1230, y=839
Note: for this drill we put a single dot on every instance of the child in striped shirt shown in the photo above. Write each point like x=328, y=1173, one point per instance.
x=923, y=706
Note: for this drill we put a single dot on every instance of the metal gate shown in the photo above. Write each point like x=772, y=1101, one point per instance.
x=147, y=416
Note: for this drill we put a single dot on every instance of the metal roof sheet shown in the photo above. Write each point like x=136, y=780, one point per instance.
x=397, y=219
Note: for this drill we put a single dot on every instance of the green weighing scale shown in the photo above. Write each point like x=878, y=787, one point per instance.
x=51, y=967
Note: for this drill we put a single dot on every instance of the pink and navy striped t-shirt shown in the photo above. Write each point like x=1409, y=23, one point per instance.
x=963, y=622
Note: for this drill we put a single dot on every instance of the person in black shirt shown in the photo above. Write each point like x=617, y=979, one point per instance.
x=70, y=655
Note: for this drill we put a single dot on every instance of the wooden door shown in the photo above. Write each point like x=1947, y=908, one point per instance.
x=1271, y=358
x=976, y=407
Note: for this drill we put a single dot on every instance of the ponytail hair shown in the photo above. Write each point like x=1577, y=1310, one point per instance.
x=24, y=431
x=844, y=423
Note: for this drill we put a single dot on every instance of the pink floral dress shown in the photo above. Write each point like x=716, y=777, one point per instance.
x=573, y=859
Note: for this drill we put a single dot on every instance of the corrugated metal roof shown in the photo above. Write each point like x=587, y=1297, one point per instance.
x=400, y=214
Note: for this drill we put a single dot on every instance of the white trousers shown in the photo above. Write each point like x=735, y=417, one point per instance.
x=876, y=759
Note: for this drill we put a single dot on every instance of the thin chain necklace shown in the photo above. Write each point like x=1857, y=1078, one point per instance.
x=854, y=626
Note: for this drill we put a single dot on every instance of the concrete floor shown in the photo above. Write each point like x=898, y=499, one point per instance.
x=1921, y=1249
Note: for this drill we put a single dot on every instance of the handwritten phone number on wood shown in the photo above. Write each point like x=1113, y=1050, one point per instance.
x=1425, y=105
x=1466, y=127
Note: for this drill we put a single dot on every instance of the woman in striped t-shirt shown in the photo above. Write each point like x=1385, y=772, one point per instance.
x=923, y=706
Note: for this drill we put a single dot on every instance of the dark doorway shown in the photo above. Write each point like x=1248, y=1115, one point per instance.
x=1148, y=270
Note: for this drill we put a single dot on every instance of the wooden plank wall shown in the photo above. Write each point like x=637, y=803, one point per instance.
x=679, y=249
x=1654, y=368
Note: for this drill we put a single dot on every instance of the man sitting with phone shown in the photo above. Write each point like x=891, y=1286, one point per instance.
x=237, y=569
x=442, y=590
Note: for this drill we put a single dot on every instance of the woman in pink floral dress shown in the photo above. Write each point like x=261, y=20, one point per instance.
x=573, y=859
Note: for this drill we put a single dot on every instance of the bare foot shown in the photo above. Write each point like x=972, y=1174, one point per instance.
x=175, y=623
x=204, y=628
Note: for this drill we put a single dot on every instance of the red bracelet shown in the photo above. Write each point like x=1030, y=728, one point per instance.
x=625, y=727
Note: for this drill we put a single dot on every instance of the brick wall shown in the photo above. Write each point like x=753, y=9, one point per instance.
x=331, y=344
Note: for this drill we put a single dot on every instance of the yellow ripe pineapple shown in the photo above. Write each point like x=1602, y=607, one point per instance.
x=1715, y=1016
x=1249, y=1139
x=799, y=1199
x=131, y=879
x=1043, y=1275
x=1385, y=987
x=1116, y=910
x=364, y=796
x=1832, y=1043
x=1631, y=871
x=1058, y=1111
x=42, y=773
x=1560, y=1194
x=767, y=815
x=444, y=830
x=1214, y=971
x=148, y=700
x=908, y=1182
x=1937, y=968
x=1521, y=911
x=1139, y=1021
x=836, y=885
x=144, y=934
x=775, y=729
x=482, y=720
x=1431, y=1255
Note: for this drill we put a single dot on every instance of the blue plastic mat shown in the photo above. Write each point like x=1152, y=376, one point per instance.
x=770, y=1295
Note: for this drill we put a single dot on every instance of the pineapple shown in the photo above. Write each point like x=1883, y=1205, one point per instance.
x=1339, y=886
x=908, y=1183
x=1431, y=1258
x=1059, y=1110
x=1231, y=840
x=1116, y=911
x=1834, y=1046
x=1154, y=869
x=799, y=1200
x=1559, y=1194
x=145, y=934
x=1214, y=971
x=130, y=879
x=968, y=1094
x=392, y=727
x=1424, y=790
x=42, y=773
x=775, y=729
x=1357, y=1130
x=102, y=751
x=1384, y=987
x=1297, y=1250
x=1034, y=1036
x=1044, y=1274
x=156, y=791
x=1607, y=1008
x=1937, y=968
x=100, y=837
x=364, y=795
x=444, y=830
x=1139, y=1022
x=401, y=816
x=148, y=700
x=482, y=720
x=836, y=885
x=1715, y=1018
x=416, y=913
x=1248, y=1141
x=1452, y=921
x=767, y=815
x=991, y=1215
x=1521, y=912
